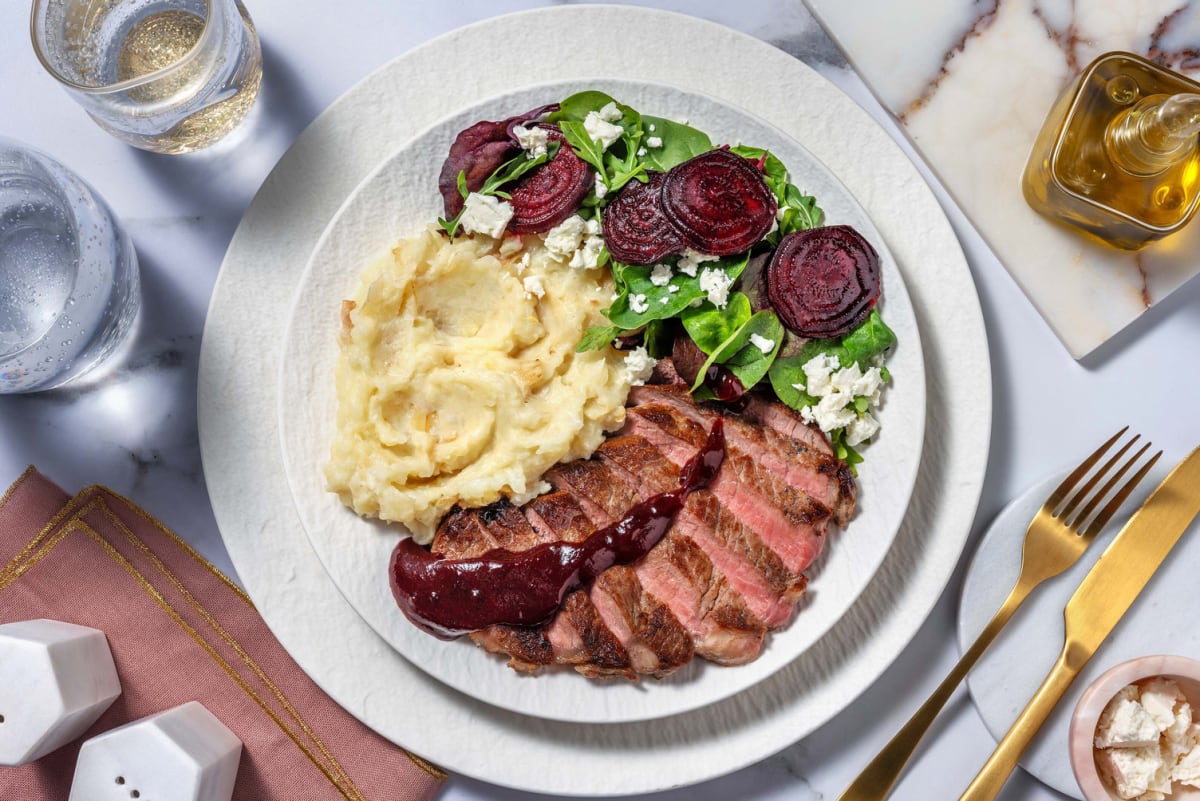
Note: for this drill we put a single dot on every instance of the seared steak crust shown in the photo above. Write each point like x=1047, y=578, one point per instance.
x=729, y=569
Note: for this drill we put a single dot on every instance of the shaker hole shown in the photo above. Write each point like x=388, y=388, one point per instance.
x=134, y=794
x=120, y=780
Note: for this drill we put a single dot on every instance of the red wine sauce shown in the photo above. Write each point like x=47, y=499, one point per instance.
x=451, y=597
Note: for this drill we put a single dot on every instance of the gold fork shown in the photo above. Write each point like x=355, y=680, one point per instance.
x=1056, y=538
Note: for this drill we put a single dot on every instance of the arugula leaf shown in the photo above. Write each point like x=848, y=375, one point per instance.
x=596, y=337
x=583, y=144
x=679, y=143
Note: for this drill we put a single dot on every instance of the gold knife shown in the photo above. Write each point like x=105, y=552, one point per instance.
x=1102, y=599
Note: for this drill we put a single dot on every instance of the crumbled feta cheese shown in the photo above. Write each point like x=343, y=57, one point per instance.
x=1128, y=726
x=641, y=151
x=533, y=286
x=660, y=274
x=1146, y=739
x=716, y=283
x=522, y=263
x=601, y=188
x=511, y=245
x=639, y=366
x=564, y=239
x=485, y=214
x=690, y=260
x=653, y=141
x=762, y=343
x=1159, y=697
x=588, y=255
x=532, y=140
x=638, y=303
x=1187, y=770
x=861, y=429
x=1129, y=770
x=817, y=371
x=610, y=113
x=650, y=128
x=664, y=300
x=673, y=288
x=601, y=129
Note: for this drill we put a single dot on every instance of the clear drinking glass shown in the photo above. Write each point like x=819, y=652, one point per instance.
x=69, y=291
x=169, y=76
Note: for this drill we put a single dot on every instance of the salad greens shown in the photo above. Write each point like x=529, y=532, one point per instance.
x=661, y=302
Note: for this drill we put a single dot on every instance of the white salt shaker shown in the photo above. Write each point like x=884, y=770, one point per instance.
x=56, y=679
x=183, y=754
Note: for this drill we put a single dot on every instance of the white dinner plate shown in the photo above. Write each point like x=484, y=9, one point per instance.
x=239, y=390
x=1161, y=621
x=401, y=198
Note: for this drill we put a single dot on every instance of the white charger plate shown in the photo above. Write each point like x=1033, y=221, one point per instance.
x=1161, y=621
x=238, y=392
x=401, y=198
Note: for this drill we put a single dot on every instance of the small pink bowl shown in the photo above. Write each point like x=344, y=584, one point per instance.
x=1185, y=672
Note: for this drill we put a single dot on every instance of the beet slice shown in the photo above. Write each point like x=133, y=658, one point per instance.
x=719, y=202
x=636, y=230
x=552, y=192
x=823, y=282
x=477, y=151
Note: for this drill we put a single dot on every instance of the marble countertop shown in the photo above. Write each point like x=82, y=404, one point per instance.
x=134, y=428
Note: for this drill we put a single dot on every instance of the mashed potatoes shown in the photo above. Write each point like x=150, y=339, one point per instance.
x=458, y=380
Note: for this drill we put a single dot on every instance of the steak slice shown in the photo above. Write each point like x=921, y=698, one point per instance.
x=803, y=458
x=679, y=571
x=656, y=641
x=790, y=522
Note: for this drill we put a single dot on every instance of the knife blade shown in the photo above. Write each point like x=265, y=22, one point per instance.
x=1099, y=603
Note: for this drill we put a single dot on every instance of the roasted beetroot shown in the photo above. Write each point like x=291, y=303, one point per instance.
x=552, y=192
x=636, y=231
x=476, y=152
x=719, y=202
x=823, y=282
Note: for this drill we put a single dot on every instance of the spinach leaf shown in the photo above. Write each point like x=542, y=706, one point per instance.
x=579, y=105
x=741, y=356
x=870, y=339
x=679, y=143
x=710, y=327
x=653, y=302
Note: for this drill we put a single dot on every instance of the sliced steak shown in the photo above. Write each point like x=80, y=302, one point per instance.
x=680, y=572
x=649, y=630
x=790, y=522
x=804, y=461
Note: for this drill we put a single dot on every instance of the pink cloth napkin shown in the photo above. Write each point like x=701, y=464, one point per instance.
x=180, y=631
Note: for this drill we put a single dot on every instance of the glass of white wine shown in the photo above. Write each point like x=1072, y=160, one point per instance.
x=170, y=76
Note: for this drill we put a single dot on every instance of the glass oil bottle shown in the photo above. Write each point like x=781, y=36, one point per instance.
x=1119, y=155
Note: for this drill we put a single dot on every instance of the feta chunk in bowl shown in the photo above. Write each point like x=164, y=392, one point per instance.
x=1135, y=733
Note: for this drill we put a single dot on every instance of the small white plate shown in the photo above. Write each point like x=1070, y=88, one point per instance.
x=401, y=198
x=1161, y=621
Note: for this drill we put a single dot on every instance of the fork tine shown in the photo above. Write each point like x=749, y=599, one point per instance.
x=1078, y=520
x=1108, y=511
x=1070, y=481
x=1086, y=489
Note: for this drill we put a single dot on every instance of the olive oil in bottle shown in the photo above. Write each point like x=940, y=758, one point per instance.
x=1119, y=155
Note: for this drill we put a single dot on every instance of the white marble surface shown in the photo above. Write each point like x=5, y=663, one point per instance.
x=135, y=429
x=973, y=99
